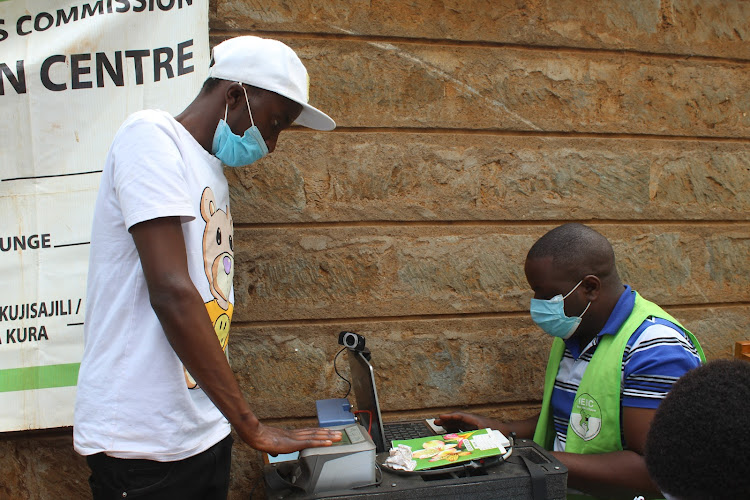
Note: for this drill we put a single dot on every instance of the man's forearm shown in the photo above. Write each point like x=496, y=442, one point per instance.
x=619, y=474
x=524, y=429
x=185, y=321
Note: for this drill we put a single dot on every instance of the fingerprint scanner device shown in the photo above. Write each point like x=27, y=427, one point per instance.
x=346, y=464
x=334, y=412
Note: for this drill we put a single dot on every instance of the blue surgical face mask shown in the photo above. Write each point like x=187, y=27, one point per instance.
x=550, y=316
x=236, y=151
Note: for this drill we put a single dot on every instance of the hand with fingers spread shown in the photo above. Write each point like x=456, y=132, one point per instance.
x=274, y=440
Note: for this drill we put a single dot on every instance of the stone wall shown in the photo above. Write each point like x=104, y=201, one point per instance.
x=467, y=129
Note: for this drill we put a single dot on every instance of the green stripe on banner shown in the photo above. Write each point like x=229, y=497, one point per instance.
x=39, y=377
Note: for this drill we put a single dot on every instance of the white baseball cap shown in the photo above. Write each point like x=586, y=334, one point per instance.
x=269, y=65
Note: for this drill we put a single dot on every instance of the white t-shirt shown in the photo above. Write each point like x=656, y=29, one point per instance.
x=134, y=399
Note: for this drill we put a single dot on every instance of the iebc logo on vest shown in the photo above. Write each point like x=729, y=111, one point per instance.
x=586, y=417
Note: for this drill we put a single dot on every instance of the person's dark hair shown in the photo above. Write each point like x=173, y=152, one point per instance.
x=698, y=446
x=576, y=248
x=210, y=84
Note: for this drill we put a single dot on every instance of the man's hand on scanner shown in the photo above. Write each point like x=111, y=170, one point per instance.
x=274, y=440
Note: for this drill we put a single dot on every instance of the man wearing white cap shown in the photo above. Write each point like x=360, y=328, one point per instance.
x=156, y=395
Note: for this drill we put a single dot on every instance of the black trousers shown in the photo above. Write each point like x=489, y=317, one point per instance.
x=201, y=477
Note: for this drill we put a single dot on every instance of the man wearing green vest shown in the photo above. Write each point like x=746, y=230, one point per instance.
x=615, y=356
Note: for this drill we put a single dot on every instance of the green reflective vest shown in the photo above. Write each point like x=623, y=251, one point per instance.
x=594, y=425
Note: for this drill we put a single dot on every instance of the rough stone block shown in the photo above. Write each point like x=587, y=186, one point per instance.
x=42, y=465
x=389, y=176
x=682, y=264
x=400, y=85
x=424, y=367
x=407, y=85
x=246, y=477
x=419, y=365
x=712, y=28
x=389, y=271
x=717, y=328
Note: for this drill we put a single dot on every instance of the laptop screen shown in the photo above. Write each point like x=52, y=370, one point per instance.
x=363, y=382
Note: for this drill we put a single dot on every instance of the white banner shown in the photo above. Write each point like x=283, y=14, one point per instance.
x=70, y=73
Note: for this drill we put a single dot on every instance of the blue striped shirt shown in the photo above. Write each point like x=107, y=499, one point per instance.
x=657, y=354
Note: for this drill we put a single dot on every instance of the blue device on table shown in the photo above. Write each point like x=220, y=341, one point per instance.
x=334, y=412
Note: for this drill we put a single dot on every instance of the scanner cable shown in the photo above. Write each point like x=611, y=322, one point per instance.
x=339, y=374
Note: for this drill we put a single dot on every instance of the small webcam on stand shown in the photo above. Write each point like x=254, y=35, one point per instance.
x=354, y=342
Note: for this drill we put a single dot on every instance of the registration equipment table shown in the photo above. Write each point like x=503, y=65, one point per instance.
x=530, y=473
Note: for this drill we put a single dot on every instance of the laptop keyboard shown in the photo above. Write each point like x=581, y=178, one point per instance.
x=405, y=430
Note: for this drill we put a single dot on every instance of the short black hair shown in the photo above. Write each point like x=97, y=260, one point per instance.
x=211, y=83
x=578, y=249
x=698, y=446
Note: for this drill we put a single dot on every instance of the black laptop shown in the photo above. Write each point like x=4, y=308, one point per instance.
x=368, y=406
